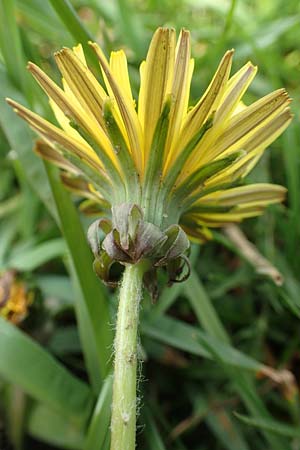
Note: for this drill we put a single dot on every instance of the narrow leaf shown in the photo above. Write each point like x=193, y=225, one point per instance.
x=271, y=425
x=191, y=339
x=26, y=260
x=72, y=22
x=93, y=313
x=26, y=364
x=99, y=424
x=153, y=437
x=53, y=428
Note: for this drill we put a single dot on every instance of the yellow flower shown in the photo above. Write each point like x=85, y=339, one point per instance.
x=181, y=164
x=14, y=299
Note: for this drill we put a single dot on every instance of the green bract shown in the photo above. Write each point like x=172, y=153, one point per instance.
x=128, y=238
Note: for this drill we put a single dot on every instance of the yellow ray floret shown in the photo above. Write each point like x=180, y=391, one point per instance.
x=82, y=82
x=206, y=105
x=126, y=108
x=157, y=74
x=67, y=108
x=54, y=135
x=183, y=70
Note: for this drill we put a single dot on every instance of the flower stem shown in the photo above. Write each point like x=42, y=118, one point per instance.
x=123, y=423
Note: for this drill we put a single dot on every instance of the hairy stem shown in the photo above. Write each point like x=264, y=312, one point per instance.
x=123, y=423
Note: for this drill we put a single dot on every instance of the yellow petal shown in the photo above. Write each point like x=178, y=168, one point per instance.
x=180, y=90
x=57, y=136
x=197, y=232
x=82, y=83
x=126, y=110
x=200, y=113
x=242, y=126
x=243, y=202
x=119, y=70
x=114, y=105
x=78, y=50
x=271, y=130
x=68, y=106
x=254, y=148
x=261, y=193
x=246, y=123
x=239, y=107
x=237, y=170
x=235, y=90
x=221, y=219
x=54, y=92
x=208, y=102
x=63, y=121
x=156, y=82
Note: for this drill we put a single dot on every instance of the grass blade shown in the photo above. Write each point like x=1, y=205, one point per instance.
x=226, y=431
x=271, y=425
x=51, y=427
x=244, y=384
x=12, y=48
x=192, y=340
x=131, y=26
x=291, y=160
x=93, y=313
x=203, y=308
x=16, y=403
x=153, y=437
x=72, y=22
x=99, y=424
x=32, y=258
x=40, y=376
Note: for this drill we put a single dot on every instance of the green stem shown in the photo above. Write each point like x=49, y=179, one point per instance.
x=123, y=423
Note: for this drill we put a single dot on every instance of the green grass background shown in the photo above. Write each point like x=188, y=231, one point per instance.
x=204, y=341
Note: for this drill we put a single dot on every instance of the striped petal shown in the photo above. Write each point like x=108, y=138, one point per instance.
x=271, y=130
x=180, y=91
x=254, y=147
x=208, y=102
x=68, y=108
x=234, y=205
x=197, y=232
x=249, y=123
x=82, y=83
x=78, y=50
x=156, y=82
x=216, y=220
x=56, y=136
x=259, y=194
x=126, y=108
x=235, y=89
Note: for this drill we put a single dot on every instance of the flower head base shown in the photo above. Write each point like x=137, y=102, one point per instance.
x=130, y=239
x=160, y=160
